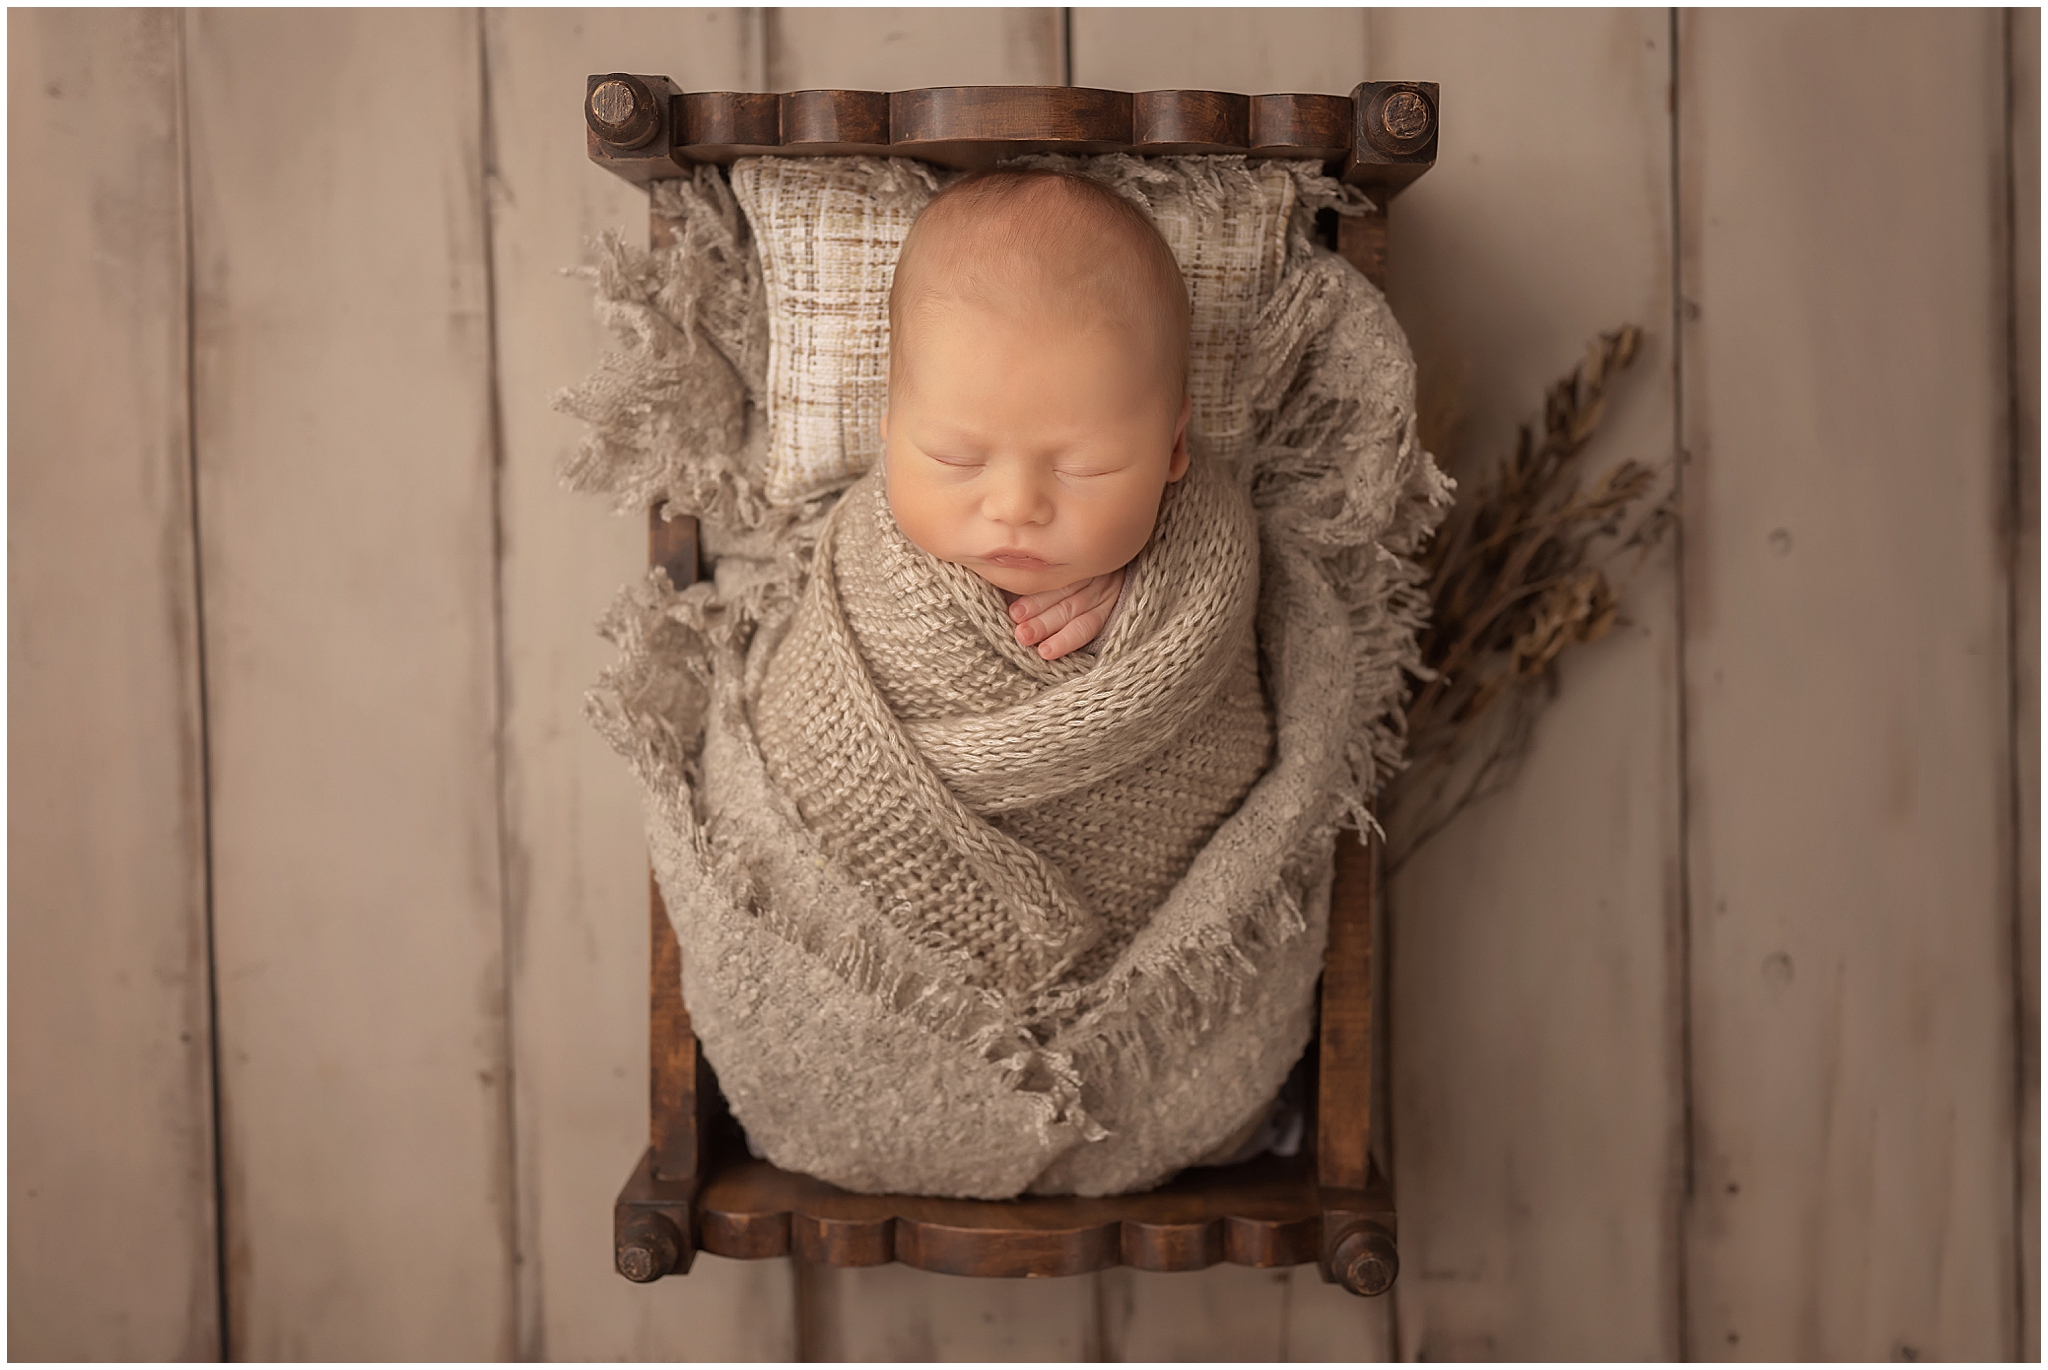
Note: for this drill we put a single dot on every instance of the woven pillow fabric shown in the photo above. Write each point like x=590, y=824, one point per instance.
x=830, y=230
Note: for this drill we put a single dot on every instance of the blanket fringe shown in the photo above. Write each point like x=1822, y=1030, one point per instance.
x=1339, y=476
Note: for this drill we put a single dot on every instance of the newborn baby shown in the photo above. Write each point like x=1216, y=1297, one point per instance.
x=1016, y=811
x=1038, y=402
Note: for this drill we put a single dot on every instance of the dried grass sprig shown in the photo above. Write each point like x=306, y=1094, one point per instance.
x=1527, y=566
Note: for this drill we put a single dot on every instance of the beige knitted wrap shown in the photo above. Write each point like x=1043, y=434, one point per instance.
x=955, y=920
x=1028, y=814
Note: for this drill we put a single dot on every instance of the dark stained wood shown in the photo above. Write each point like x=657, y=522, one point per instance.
x=623, y=112
x=1010, y=114
x=676, y=1103
x=651, y=1225
x=1393, y=133
x=1301, y=126
x=1266, y=1212
x=978, y=126
x=719, y=125
x=1359, y=1227
x=974, y=1250
x=844, y=1241
x=1405, y=118
x=636, y=151
x=836, y=123
x=1344, y=1086
x=1173, y=1246
x=1364, y=1260
x=1362, y=241
x=1385, y=143
x=651, y=1220
x=1174, y=122
x=672, y=545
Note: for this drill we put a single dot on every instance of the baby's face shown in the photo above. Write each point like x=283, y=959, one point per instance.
x=1030, y=449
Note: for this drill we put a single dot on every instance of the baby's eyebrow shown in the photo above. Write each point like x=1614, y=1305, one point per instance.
x=951, y=438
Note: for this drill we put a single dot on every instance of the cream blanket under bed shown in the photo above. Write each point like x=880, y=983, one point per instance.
x=959, y=921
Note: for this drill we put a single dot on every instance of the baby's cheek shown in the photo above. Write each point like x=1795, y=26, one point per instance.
x=922, y=514
x=1132, y=528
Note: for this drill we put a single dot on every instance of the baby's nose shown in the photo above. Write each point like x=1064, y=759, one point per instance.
x=1016, y=499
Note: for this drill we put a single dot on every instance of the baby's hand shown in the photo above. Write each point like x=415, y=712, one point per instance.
x=1062, y=620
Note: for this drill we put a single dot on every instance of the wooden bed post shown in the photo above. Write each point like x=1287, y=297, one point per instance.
x=652, y=1223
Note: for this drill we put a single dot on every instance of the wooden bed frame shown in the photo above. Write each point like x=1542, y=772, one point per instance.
x=696, y=1187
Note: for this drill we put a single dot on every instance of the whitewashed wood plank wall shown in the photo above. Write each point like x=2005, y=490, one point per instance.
x=1715, y=1037
x=110, y=1128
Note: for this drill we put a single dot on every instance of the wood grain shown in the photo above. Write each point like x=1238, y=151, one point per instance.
x=2023, y=65
x=1318, y=125
x=836, y=122
x=1847, y=683
x=343, y=430
x=1165, y=122
x=110, y=1188
x=1313, y=51
x=1223, y=1314
x=895, y=1313
x=884, y=48
x=1264, y=1213
x=577, y=899
x=977, y=126
x=1534, y=997
x=1344, y=1094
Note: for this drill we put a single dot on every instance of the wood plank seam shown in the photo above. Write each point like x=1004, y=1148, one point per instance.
x=224, y=1322
x=1680, y=1204
x=2025, y=1062
x=523, y=1269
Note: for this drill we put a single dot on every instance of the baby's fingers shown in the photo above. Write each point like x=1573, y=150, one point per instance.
x=1024, y=608
x=1051, y=618
x=1040, y=616
x=1080, y=630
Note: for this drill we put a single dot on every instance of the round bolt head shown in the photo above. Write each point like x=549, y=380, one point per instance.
x=1365, y=1261
x=613, y=104
x=622, y=111
x=647, y=1249
x=1405, y=116
x=639, y=1265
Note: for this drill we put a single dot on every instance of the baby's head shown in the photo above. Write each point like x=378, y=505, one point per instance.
x=1037, y=379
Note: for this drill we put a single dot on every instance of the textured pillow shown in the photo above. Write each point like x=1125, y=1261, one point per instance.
x=830, y=230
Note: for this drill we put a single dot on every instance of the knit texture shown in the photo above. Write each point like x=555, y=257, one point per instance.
x=1029, y=814
x=897, y=951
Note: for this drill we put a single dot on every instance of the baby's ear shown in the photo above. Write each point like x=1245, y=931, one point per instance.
x=1177, y=464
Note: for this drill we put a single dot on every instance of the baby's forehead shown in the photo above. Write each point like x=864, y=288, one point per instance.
x=1051, y=228
x=1042, y=255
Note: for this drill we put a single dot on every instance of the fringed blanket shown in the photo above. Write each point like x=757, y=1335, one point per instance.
x=959, y=921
